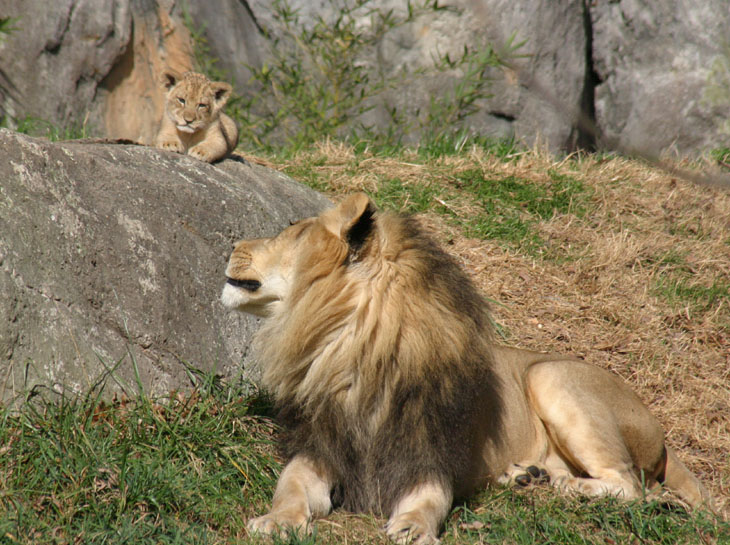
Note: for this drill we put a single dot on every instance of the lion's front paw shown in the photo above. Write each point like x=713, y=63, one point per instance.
x=202, y=153
x=171, y=145
x=278, y=523
x=409, y=528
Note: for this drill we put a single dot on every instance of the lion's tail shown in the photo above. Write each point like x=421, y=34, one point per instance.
x=682, y=482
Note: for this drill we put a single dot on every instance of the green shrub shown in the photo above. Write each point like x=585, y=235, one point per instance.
x=317, y=84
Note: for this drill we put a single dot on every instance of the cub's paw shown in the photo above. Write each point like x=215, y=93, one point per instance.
x=278, y=523
x=523, y=476
x=171, y=145
x=408, y=528
x=202, y=153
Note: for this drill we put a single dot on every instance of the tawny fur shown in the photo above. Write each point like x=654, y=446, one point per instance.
x=379, y=352
x=194, y=121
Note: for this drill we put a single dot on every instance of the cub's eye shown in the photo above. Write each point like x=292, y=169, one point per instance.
x=202, y=106
x=181, y=100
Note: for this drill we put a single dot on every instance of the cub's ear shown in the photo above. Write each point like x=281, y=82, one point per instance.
x=221, y=92
x=351, y=220
x=169, y=78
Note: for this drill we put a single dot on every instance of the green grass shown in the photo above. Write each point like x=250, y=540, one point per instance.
x=308, y=176
x=721, y=155
x=35, y=126
x=676, y=284
x=679, y=290
x=193, y=469
x=182, y=471
x=394, y=194
x=541, y=516
x=511, y=207
x=507, y=209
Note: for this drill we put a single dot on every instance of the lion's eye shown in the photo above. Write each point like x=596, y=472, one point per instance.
x=202, y=106
x=248, y=285
x=181, y=100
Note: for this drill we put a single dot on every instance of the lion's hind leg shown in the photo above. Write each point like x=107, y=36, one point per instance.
x=526, y=474
x=597, y=426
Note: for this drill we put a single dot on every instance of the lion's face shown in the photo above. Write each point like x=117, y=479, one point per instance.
x=262, y=273
x=259, y=272
x=193, y=101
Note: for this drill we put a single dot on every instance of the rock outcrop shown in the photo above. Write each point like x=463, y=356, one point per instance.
x=641, y=70
x=653, y=62
x=112, y=259
x=554, y=53
x=53, y=62
x=92, y=66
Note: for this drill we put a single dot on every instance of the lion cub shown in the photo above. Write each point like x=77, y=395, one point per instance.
x=194, y=122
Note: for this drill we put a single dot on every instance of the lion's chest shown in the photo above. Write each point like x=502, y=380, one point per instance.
x=374, y=456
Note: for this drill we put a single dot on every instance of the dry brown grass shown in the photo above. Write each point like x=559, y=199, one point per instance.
x=596, y=296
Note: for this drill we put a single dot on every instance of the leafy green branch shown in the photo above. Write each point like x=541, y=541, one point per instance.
x=321, y=78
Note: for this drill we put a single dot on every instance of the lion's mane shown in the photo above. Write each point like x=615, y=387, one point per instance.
x=377, y=361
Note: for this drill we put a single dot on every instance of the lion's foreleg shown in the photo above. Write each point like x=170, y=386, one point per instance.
x=418, y=515
x=302, y=492
x=168, y=138
x=211, y=147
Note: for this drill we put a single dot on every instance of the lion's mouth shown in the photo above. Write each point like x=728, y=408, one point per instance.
x=248, y=285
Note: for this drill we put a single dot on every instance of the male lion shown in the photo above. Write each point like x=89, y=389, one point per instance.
x=393, y=396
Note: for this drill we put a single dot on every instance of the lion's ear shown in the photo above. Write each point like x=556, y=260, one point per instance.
x=169, y=78
x=361, y=229
x=221, y=92
x=352, y=219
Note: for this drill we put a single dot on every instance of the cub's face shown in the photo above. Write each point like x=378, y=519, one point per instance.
x=193, y=102
x=265, y=273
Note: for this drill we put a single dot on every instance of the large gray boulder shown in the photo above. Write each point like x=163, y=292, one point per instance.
x=654, y=63
x=56, y=58
x=112, y=260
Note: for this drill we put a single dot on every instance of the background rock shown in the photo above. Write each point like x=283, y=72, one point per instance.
x=555, y=50
x=115, y=254
x=640, y=68
x=653, y=61
x=92, y=66
x=53, y=63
